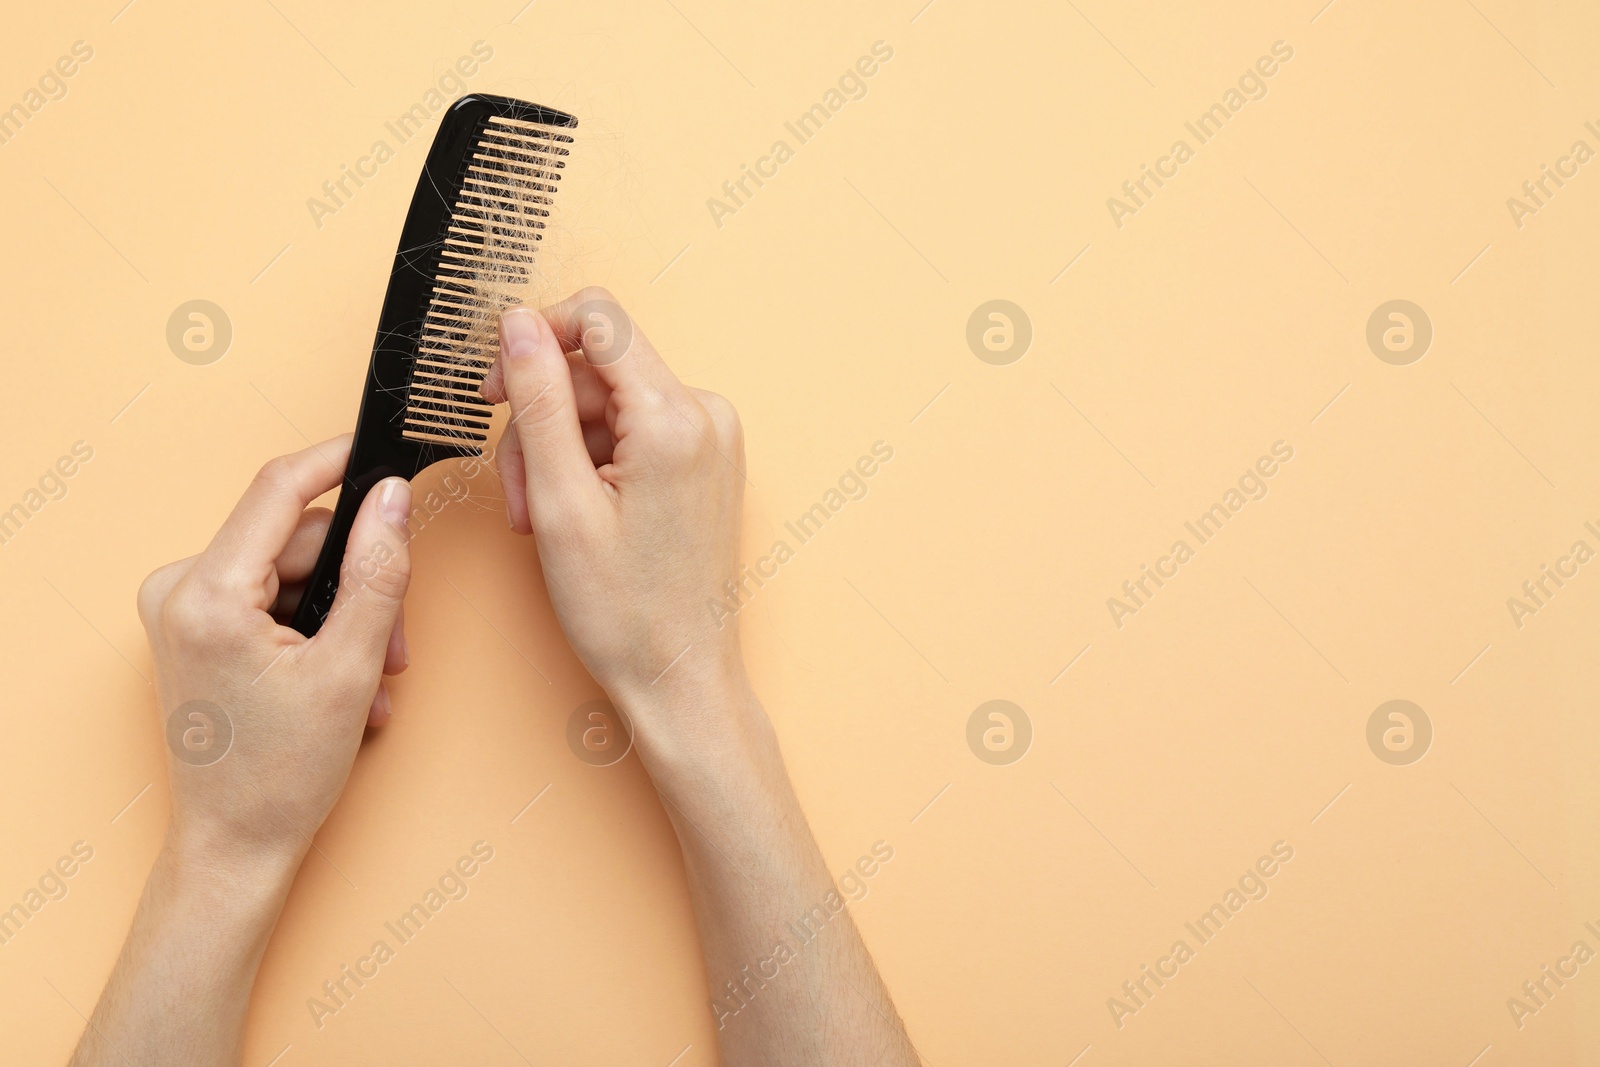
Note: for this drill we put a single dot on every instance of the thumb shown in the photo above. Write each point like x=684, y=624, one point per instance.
x=544, y=415
x=374, y=578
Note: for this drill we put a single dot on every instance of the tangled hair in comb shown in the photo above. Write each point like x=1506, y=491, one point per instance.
x=487, y=260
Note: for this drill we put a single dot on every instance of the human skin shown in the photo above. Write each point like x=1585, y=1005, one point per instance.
x=240, y=826
x=631, y=485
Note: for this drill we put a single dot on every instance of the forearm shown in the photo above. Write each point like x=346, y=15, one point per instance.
x=181, y=988
x=791, y=981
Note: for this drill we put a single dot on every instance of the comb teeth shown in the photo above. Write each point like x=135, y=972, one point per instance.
x=487, y=249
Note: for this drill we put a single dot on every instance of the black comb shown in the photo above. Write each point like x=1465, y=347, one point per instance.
x=469, y=240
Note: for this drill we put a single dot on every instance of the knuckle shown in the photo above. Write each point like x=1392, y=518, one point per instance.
x=153, y=593
x=705, y=428
x=537, y=408
x=648, y=414
x=594, y=293
x=275, y=471
x=148, y=602
x=383, y=570
x=188, y=614
x=683, y=439
x=725, y=417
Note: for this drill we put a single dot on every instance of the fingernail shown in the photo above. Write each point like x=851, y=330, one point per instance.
x=382, y=708
x=394, y=500
x=519, y=333
x=405, y=650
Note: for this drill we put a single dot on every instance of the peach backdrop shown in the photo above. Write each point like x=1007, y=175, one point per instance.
x=1361, y=154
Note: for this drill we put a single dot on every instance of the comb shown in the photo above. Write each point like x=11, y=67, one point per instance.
x=468, y=243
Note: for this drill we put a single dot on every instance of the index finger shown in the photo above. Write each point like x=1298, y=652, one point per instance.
x=246, y=548
x=593, y=322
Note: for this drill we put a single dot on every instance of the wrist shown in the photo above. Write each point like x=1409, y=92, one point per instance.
x=203, y=924
x=238, y=879
x=706, y=724
x=714, y=758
